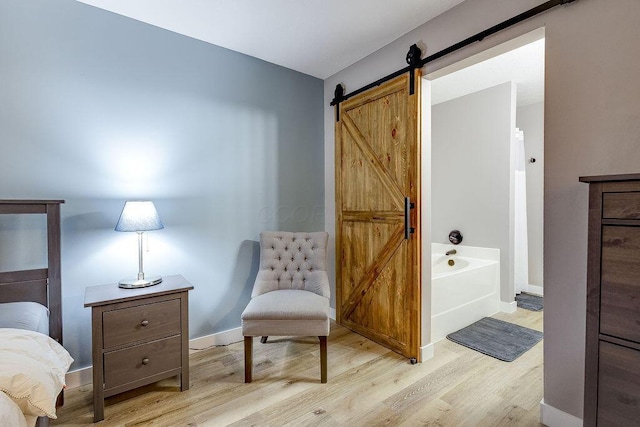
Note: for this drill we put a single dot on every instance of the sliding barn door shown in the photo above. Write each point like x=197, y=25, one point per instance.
x=378, y=213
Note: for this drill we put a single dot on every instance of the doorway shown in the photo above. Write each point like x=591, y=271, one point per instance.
x=479, y=177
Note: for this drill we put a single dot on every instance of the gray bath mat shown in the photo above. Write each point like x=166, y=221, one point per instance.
x=495, y=338
x=529, y=301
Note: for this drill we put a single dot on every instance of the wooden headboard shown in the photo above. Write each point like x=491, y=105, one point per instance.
x=41, y=285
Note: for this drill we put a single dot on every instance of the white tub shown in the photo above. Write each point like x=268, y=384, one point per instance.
x=464, y=292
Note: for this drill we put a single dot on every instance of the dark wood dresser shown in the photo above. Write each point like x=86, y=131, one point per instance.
x=612, y=356
x=139, y=336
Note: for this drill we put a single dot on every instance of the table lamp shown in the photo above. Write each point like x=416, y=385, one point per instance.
x=139, y=216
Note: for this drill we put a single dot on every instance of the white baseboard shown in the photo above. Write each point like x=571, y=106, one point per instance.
x=79, y=377
x=426, y=352
x=332, y=313
x=554, y=417
x=84, y=376
x=508, y=307
x=219, y=338
x=533, y=289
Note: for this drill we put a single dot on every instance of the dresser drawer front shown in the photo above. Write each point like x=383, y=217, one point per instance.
x=140, y=361
x=618, y=385
x=621, y=205
x=141, y=323
x=620, y=283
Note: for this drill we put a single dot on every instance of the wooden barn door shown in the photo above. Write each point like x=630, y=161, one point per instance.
x=378, y=214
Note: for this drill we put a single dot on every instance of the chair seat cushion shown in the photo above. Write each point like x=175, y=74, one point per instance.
x=286, y=312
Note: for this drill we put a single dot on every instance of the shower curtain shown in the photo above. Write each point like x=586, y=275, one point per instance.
x=521, y=243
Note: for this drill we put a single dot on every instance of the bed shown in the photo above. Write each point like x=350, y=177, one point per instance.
x=33, y=362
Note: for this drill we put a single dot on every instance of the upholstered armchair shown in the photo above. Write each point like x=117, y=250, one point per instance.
x=291, y=293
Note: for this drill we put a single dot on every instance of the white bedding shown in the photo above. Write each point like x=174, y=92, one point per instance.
x=11, y=415
x=32, y=372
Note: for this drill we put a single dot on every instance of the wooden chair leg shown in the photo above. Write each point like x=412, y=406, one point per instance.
x=248, y=358
x=323, y=359
x=263, y=339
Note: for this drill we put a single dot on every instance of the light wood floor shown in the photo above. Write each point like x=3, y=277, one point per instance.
x=368, y=386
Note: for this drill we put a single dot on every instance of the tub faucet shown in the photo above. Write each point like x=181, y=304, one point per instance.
x=451, y=252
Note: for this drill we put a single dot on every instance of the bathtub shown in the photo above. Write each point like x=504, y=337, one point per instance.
x=465, y=287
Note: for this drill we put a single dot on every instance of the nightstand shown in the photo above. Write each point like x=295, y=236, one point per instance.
x=139, y=336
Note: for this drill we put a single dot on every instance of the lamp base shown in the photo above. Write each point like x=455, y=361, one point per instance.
x=139, y=283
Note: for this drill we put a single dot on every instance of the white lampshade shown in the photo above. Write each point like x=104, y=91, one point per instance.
x=139, y=216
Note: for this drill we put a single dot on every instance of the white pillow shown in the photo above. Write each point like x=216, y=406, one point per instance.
x=25, y=315
x=32, y=370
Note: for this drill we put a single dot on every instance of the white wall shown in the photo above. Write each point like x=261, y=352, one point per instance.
x=592, y=126
x=471, y=172
x=530, y=119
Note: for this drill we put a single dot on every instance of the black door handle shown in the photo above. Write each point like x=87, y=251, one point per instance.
x=408, y=229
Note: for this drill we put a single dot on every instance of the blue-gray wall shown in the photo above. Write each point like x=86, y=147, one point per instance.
x=97, y=109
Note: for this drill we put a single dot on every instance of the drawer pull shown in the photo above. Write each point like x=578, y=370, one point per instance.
x=145, y=361
x=144, y=322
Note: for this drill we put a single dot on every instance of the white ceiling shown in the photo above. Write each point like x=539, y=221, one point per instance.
x=315, y=37
x=524, y=66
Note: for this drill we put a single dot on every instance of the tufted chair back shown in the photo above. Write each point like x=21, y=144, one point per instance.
x=292, y=261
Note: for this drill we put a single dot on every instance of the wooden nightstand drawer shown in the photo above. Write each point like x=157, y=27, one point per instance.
x=141, y=361
x=139, y=336
x=141, y=323
x=621, y=205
